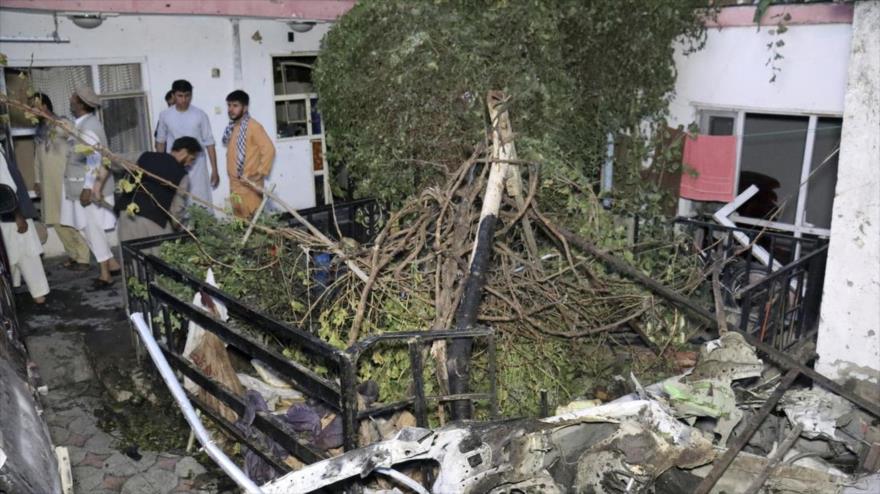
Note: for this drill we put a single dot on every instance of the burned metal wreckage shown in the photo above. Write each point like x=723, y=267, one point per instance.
x=732, y=423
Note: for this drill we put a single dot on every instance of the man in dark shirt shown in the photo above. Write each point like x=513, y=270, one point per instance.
x=146, y=211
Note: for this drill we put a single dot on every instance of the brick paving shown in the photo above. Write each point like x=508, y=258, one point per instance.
x=69, y=339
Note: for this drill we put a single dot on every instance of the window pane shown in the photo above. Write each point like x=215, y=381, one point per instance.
x=772, y=158
x=823, y=172
x=120, y=78
x=319, y=190
x=317, y=155
x=293, y=75
x=291, y=117
x=316, y=117
x=721, y=126
x=59, y=83
x=125, y=125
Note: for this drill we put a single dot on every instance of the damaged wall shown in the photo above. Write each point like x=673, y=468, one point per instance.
x=730, y=72
x=849, y=329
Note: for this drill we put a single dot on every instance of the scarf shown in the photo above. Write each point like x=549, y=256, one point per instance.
x=240, y=142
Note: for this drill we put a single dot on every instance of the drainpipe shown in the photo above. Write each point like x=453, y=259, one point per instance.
x=189, y=413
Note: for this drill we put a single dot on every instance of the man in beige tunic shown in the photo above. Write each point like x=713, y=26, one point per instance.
x=50, y=157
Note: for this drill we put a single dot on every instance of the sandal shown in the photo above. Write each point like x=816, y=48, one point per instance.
x=75, y=266
x=99, y=284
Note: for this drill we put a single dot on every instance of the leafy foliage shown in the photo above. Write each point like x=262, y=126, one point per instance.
x=402, y=82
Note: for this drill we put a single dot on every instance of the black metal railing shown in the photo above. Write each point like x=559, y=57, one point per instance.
x=335, y=386
x=359, y=220
x=783, y=308
x=777, y=299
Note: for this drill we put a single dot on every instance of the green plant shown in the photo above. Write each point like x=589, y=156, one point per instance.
x=402, y=82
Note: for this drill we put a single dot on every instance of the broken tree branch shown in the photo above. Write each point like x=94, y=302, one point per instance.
x=458, y=357
x=333, y=246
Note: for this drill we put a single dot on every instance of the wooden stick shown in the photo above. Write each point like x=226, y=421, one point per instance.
x=719, y=303
x=257, y=214
x=333, y=246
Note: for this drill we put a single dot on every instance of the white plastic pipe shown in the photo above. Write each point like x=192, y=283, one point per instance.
x=189, y=413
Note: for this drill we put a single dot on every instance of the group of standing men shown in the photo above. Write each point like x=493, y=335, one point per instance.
x=249, y=151
x=76, y=186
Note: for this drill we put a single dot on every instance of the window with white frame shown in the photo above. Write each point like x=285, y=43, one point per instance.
x=792, y=159
x=296, y=103
x=120, y=87
x=297, y=116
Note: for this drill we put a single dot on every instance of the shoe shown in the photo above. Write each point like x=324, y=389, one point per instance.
x=99, y=284
x=76, y=266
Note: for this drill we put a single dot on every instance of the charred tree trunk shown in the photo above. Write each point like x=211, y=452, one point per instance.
x=459, y=355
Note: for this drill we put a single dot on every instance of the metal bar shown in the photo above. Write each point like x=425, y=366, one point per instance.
x=389, y=408
x=349, y=406
x=304, y=378
x=743, y=438
x=783, y=360
x=786, y=445
x=493, y=380
x=230, y=430
x=199, y=430
x=283, y=332
x=266, y=423
x=785, y=269
x=424, y=336
x=415, y=359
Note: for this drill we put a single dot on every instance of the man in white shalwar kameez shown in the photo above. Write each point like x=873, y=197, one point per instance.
x=87, y=204
x=23, y=247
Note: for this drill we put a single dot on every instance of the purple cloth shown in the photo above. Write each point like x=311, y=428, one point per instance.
x=255, y=466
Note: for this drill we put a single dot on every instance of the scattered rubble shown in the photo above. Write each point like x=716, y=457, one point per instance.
x=648, y=442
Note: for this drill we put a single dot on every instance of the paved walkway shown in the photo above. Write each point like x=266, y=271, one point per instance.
x=80, y=341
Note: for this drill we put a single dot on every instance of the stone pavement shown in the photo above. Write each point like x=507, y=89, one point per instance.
x=81, y=342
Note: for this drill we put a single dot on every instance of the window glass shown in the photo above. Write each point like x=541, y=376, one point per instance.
x=291, y=117
x=319, y=190
x=120, y=78
x=59, y=83
x=125, y=123
x=823, y=172
x=772, y=159
x=721, y=126
x=316, y=117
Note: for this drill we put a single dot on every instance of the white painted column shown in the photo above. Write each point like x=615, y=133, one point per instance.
x=849, y=329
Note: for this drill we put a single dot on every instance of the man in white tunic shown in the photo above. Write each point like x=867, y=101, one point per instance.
x=23, y=246
x=185, y=120
x=87, y=204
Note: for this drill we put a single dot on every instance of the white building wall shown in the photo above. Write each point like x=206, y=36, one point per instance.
x=849, y=329
x=827, y=69
x=730, y=72
x=183, y=47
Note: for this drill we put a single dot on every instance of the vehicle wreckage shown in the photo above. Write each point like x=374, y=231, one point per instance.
x=638, y=443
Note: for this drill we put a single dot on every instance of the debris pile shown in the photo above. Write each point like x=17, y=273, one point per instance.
x=667, y=438
x=412, y=276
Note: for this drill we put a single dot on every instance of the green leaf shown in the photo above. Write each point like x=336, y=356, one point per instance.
x=126, y=186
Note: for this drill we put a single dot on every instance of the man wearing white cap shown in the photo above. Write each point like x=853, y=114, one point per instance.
x=87, y=204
